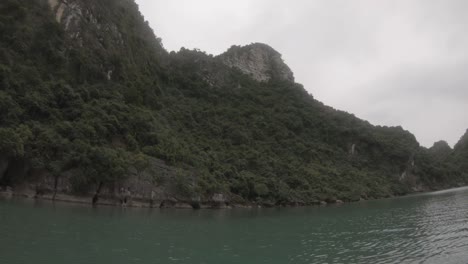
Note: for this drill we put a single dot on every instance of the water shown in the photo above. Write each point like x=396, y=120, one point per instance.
x=429, y=228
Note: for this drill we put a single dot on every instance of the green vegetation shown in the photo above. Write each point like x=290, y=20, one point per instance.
x=107, y=101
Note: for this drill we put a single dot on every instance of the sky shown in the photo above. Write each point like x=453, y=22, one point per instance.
x=391, y=62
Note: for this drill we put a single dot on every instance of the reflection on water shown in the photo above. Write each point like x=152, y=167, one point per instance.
x=428, y=228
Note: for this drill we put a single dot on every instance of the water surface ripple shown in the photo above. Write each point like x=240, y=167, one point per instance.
x=428, y=228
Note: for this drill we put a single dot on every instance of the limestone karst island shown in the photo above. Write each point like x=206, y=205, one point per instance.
x=104, y=132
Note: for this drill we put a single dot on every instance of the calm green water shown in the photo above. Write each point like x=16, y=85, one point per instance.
x=430, y=228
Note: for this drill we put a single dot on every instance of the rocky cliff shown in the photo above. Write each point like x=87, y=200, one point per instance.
x=258, y=60
x=108, y=38
x=463, y=142
x=459, y=157
x=440, y=150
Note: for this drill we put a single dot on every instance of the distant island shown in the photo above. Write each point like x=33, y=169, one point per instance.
x=95, y=110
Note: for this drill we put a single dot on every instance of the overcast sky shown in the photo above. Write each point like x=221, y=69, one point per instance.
x=392, y=62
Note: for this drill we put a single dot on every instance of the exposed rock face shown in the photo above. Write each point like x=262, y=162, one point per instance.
x=259, y=61
x=105, y=33
x=153, y=187
x=82, y=24
x=352, y=151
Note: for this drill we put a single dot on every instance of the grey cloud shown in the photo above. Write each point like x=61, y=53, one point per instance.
x=429, y=101
x=393, y=62
x=447, y=82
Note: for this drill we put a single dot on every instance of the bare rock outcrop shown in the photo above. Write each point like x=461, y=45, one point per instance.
x=258, y=60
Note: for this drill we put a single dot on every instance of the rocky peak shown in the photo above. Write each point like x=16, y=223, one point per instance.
x=259, y=60
x=463, y=142
x=109, y=34
x=103, y=23
x=440, y=150
x=84, y=20
x=441, y=146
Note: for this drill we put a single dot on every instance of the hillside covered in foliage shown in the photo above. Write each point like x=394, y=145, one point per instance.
x=91, y=103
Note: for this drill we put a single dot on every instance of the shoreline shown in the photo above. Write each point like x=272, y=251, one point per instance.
x=156, y=204
x=132, y=203
x=173, y=203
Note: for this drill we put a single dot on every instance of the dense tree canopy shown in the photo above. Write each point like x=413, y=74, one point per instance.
x=107, y=101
